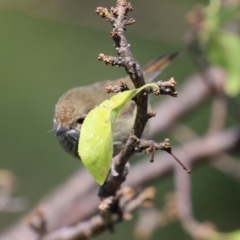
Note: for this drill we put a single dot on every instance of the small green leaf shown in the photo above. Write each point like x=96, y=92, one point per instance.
x=234, y=235
x=96, y=143
x=222, y=46
x=223, y=50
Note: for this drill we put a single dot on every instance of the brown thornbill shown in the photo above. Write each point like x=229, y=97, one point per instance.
x=74, y=105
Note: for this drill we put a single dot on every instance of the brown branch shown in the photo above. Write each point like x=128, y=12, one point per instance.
x=151, y=146
x=184, y=208
x=97, y=224
x=190, y=153
x=228, y=165
x=118, y=18
x=60, y=207
x=162, y=88
x=222, y=161
x=121, y=87
x=219, y=113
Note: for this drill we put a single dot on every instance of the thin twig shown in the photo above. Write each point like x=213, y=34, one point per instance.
x=151, y=146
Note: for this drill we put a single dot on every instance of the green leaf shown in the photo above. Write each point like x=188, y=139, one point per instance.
x=96, y=142
x=223, y=47
x=218, y=15
x=234, y=235
x=223, y=50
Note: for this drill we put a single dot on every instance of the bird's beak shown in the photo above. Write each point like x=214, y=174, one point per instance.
x=59, y=130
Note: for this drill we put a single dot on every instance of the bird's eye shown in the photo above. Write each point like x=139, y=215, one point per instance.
x=80, y=120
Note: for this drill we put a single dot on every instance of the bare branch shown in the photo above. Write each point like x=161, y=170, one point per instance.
x=118, y=18
x=95, y=225
x=151, y=146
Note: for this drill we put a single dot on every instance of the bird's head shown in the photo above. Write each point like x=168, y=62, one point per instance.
x=70, y=112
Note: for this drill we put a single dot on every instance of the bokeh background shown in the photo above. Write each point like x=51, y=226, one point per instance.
x=48, y=47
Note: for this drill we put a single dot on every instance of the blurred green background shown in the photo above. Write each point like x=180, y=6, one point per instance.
x=48, y=47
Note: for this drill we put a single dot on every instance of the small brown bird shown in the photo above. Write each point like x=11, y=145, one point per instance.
x=74, y=105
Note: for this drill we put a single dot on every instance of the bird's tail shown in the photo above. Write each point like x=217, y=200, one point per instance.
x=155, y=67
